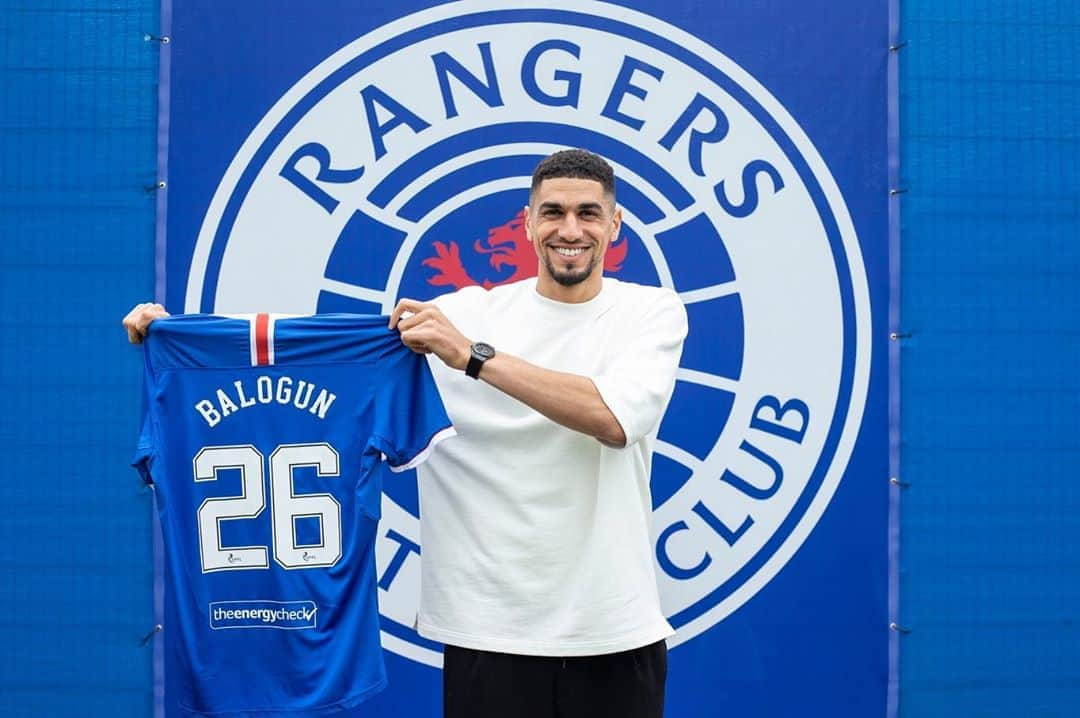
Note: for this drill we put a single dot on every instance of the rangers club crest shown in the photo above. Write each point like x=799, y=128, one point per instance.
x=399, y=166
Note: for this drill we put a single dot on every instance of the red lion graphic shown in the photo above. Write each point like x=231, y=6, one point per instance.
x=508, y=247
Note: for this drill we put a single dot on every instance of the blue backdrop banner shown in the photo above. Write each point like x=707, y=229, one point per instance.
x=336, y=156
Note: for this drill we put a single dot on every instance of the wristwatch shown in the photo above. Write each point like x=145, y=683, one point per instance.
x=481, y=352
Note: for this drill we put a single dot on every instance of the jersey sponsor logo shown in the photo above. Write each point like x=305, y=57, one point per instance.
x=284, y=615
x=390, y=169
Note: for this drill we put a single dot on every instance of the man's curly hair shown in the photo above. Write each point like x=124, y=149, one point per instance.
x=575, y=164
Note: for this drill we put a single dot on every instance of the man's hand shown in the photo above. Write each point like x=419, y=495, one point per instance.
x=428, y=331
x=137, y=322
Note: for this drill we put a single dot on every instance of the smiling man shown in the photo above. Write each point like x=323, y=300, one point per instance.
x=537, y=569
x=537, y=565
x=573, y=227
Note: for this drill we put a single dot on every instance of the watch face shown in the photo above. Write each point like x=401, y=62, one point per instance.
x=484, y=351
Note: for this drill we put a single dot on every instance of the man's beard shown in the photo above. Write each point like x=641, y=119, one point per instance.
x=569, y=278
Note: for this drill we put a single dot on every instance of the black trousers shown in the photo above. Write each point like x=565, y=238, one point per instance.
x=482, y=684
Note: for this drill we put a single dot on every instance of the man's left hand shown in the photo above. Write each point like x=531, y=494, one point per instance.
x=428, y=331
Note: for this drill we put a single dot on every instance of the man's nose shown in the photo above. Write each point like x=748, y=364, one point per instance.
x=570, y=228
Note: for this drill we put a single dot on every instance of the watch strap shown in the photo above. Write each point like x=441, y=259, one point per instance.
x=473, y=367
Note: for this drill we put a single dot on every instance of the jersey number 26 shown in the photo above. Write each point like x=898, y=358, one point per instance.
x=285, y=506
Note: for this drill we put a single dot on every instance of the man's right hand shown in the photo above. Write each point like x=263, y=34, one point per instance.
x=137, y=322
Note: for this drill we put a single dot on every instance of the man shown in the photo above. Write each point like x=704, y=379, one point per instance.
x=537, y=569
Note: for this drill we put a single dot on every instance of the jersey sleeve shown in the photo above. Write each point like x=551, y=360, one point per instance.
x=410, y=419
x=637, y=385
x=144, y=447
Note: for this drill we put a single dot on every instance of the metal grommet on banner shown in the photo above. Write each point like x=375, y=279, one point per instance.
x=163, y=39
x=898, y=46
x=146, y=639
x=894, y=336
x=897, y=482
x=894, y=626
x=156, y=187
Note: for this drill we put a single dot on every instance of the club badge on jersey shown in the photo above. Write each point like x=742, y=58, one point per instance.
x=265, y=439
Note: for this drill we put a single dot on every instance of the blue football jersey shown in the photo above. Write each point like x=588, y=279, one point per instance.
x=265, y=439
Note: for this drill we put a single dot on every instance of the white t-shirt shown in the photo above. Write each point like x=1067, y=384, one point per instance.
x=536, y=537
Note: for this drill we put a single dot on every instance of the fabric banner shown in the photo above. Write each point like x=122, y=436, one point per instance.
x=337, y=156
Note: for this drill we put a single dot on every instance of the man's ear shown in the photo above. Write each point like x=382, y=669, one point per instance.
x=528, y=229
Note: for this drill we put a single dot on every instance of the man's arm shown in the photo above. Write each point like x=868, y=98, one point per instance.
x=570, y=400
x=567, y=399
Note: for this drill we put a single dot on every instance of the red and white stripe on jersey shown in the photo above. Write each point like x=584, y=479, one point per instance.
x=262, y=340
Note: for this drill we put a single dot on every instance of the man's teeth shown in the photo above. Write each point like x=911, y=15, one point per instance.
x=568, y=252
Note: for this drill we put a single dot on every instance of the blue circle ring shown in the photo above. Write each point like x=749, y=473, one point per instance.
x=672, y=49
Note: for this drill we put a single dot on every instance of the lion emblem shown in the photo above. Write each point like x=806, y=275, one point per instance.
x=508, y=249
